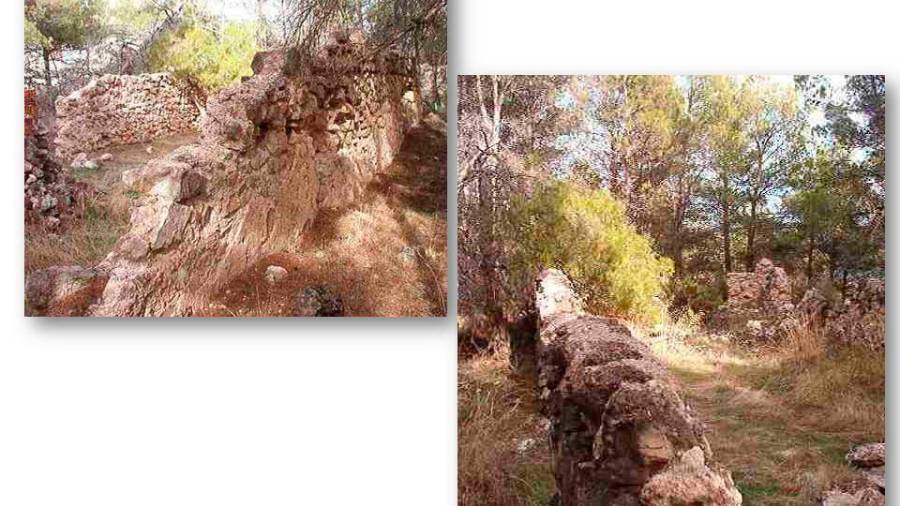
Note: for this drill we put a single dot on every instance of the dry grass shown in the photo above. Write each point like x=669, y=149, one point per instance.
x=84, y=240
x=781, y=418
x=88, y=237
x=504, y=459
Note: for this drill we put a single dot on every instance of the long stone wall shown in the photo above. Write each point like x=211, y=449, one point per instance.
x=292, y=139
x=620, y=433
x=122, y=109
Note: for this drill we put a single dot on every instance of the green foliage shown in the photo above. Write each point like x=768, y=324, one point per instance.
x=135, y=16
x=54, y=24
x=586, y=234
x=202, y=55
x=33, y=36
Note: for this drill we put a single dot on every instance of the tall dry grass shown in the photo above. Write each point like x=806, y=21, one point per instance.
x=503, y=453
x=781, y=416
x=837, y=388
x=83, y=240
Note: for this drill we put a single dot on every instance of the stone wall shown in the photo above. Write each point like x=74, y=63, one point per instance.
x=758, y=302
x=620, y=433
x=760, y=306
x=51, y=194
x=859, y=318
x=765, y=290
x=296, y=137
x=122, y=109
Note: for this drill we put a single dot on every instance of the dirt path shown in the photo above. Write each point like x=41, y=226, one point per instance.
x=780, y=451
x=383, y=255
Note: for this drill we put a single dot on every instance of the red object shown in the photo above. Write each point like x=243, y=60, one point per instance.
x=31, y=110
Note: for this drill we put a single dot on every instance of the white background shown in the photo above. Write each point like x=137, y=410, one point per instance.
x=242, y=412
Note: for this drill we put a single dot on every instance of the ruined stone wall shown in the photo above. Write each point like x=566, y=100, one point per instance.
x=275, y=149
x=122, y=109
x=857, y=319
x=765, y=290
x=759, y=302
x=760, y=307
x=50, y=194
x=620, y=433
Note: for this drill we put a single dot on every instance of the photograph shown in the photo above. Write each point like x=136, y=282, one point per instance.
x=671, y=289
x=235, y=158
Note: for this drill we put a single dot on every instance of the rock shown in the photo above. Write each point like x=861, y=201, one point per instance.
x=865, y=497
x=79, y=160
x=867, y=455
x=615, y=413
x=408, y=254
x=149, y=150
x=318, y=301
x=689, y=481
x=67, y=289
x=48, y=202
x=106, y=157
x=875, y=476
x=275, y=274
x=253, y=183
x=90, y=165
x=556, y=295
x=133, y=247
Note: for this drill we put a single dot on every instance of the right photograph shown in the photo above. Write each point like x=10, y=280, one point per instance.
x=671, y=290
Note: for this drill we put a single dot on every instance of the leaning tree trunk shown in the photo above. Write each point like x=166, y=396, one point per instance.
x=48, y=76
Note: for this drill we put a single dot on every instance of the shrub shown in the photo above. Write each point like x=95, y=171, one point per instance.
x=206, y=57
x=586, y=234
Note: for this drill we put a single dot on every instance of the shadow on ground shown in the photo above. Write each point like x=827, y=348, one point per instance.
x=383, y=255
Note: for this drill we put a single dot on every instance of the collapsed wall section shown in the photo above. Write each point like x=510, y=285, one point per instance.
x=620, y=433
x=275, y=149
x=122, y=109
x=760, y=307
x=50, y=193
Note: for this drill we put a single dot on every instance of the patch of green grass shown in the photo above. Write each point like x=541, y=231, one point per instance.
x=85, y=240
x=535, y=482
x=84, y=173
x=781, y=419
x=754, y=491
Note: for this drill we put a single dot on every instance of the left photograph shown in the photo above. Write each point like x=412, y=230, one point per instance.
x=235, y=158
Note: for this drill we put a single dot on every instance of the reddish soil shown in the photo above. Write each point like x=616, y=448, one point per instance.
x=383, y=255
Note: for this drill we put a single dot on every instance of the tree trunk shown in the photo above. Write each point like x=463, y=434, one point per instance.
x=48, y=76
x=262, y=29
x=489, y=255
x=810, y=249
x=726, y=223
x=359, y=15
x=751, y=237
x=417, y=71
x=677, y=243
